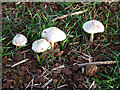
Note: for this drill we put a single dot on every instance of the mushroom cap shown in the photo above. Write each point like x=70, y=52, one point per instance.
x=93, y=26
x=19, y=40
x=53, y=34
x=40, y=45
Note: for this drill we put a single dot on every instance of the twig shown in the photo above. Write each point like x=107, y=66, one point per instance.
x=97, y=63
x=75, y=13
x=63, y=86
x=29, y=83
x=19, y=62
x=28, y=71
x=93, y=83
x=62, y=66
x=37, y=85
x=86, y=55
x=117, y=42
x=43, y=72
x=43, y=86
x=67, y=7
x=25, y=51
x=32, y=83
x=74, y=43
x=84, y=85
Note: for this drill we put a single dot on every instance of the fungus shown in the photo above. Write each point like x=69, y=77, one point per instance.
x=53, y=34
x=93, y=26
x=40, y=45
x=19, y=40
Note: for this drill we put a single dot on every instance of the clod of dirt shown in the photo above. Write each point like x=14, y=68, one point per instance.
x=23, y=68
x=75, y=67
x=9, y=82
x=80, y=86
x=36, y=80
x=41, y=80
x=91, y=70
x=21, y=73
x=39, y=71
x=55, y=75
x=72, y=57
x=18, y=56
x=4, y=60
x=28, y=78
x=15, y=84
x=55, y=81
x=76, y=77
x=20, y=85
x=67, y=71
x=4, y=86
x=72, y=84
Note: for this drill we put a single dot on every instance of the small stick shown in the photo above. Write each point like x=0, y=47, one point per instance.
x=25, y=51
x=62, y=66
x=29, y=84
x=74, y=43
x=97, y=63
x=43, y=86
x=93, y=83
x=32, y=83
x=63, y=86
x=75, y=13
x=19, y=62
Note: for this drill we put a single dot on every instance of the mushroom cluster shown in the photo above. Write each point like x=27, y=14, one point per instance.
x=54, y=34
x=49, y=35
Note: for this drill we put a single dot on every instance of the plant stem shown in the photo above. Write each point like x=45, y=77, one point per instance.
x=91, y=37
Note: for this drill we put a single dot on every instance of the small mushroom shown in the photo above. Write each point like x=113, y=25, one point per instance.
x=93, y=26
x=19, y=40
x=53, y=34
x=40, y=45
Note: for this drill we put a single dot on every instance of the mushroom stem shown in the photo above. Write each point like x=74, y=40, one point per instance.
x=91, y=37
x=16, y=46
x=52, y=45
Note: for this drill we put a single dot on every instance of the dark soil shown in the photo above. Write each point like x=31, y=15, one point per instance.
x=31, y=74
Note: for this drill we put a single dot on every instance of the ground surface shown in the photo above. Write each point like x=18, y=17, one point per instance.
x=58, y=68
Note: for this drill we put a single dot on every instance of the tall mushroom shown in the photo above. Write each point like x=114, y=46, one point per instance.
x=40, y=45
x=93, y=26
x=19, y=40
x=53, y=34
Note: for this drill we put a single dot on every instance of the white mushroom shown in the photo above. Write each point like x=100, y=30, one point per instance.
x=53, y=34
x=40, y=45
x=19, y=40
x=93, y=26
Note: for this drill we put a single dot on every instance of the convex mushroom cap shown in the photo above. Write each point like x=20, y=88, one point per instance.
x=19, y=40
x=53, y=34
x=93, y=26
x=40, y=45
